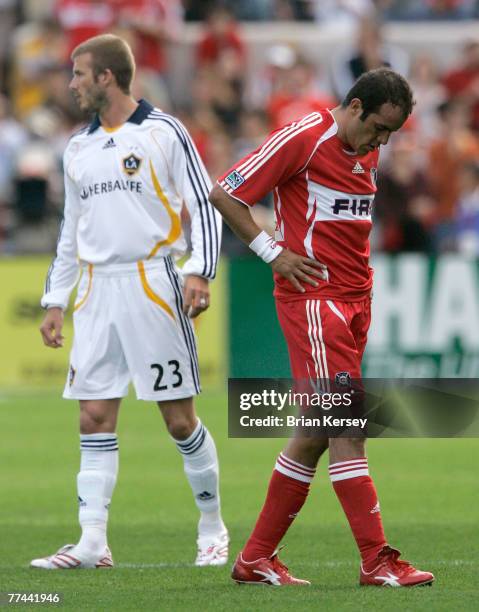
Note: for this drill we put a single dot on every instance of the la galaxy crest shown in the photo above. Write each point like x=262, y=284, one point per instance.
x=131, y=164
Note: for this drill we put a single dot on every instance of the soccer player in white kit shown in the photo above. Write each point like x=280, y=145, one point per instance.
x=127, y=176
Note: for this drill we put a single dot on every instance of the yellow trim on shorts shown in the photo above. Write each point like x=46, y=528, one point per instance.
x=175, y=229
x=150, y=293
x=85, y=297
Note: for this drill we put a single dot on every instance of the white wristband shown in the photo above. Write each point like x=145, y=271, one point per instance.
x=265, y=247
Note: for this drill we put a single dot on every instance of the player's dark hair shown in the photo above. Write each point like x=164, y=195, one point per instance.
x=110, y=52
x=378, y=87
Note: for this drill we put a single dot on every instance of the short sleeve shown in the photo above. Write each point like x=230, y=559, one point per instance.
x=284, y=153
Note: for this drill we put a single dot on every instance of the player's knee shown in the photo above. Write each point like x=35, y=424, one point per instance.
x=357, y=445
x=314, y=446
x=180, y=428
x=342, y=449
x=306, y=450
x=94, y=422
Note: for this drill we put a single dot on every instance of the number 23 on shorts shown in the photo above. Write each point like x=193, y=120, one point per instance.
x=175, y=371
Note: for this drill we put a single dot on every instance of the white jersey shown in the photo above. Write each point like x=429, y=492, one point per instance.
x=124, y=191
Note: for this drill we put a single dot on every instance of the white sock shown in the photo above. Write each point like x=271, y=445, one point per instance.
x=95, y=483
x=202, y=470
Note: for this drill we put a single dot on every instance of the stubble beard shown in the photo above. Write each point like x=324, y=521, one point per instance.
x=96, y=101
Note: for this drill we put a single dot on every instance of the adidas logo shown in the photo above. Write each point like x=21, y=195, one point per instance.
x=375, y=509
x=110, y=143
x=206, y=495
x=358, y=169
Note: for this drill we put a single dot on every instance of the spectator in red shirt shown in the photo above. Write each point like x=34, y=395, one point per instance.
x=152, y=23
x=82, y=19
x=455, y=145
x=297, y=95
x=221, y=35
x=463, y=82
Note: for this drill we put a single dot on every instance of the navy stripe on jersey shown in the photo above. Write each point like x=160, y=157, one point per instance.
x=200, y=187
x=210, y=211
x=201, y=191
x=184, y=322
x=82, y=130
x=52, y=265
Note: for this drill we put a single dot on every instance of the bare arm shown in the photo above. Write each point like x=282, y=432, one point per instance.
x=236, y=215
x=291, y=266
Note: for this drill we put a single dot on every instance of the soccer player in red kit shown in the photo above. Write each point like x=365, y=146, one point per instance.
x=322, y=170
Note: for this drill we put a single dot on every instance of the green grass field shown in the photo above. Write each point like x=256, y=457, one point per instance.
x=428, y=491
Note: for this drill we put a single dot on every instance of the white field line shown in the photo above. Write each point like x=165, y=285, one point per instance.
x=316, y=564
x=154, y=565
x=445, y=562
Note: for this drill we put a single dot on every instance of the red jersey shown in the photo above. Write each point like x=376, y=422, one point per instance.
x=210, y=46
x=82, y=19
x=149, y=50
x=285, y=108
x=323, y=197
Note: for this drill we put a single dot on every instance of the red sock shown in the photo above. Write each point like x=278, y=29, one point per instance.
x=287, y=492
x=357, y=494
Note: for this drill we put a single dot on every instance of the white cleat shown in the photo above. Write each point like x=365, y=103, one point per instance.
x=65, y=559
x=212, y=550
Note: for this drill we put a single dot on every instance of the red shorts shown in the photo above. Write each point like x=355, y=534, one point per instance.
x=325, y=338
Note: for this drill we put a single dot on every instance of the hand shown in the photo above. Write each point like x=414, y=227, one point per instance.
x=51, y=328
x=196, y=295
x=296, y=268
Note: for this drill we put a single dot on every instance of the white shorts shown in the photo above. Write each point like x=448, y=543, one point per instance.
x=129, y=327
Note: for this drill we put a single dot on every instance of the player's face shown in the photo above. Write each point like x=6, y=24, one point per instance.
x=89, y=94
x=365, y=136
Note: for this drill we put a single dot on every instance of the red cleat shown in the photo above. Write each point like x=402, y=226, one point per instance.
x=390, y=571
x=264, y=571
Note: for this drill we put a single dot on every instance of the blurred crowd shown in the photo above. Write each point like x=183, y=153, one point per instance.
x=428, y=199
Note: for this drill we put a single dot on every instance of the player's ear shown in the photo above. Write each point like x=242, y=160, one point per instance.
x=106, y=77
x=356, y=107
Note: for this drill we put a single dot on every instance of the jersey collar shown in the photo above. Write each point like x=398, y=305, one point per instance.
x=142, y=111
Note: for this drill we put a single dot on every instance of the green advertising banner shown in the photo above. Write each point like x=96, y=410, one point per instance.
x=26, y=363
x=24, y=360
x=257, y=347
x=425, y=319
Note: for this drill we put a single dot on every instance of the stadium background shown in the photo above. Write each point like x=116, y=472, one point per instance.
x=232, y=71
